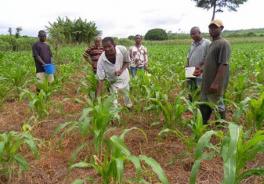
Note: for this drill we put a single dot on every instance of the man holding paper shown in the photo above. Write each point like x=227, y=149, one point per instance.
x=215, y=71
x=195, y=58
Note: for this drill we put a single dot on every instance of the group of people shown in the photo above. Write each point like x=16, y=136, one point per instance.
x=112, y=62
x=211, y=62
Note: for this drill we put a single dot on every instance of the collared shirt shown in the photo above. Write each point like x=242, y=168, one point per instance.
x=106, y=69
x=138, y=56
x=218, y=53
x=197, y=52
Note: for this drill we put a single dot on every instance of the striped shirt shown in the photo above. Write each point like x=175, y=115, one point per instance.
x=93, y=53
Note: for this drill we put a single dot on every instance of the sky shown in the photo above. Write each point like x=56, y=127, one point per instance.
x=122, y=18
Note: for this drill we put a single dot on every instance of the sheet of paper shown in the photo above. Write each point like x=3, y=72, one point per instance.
x=189, y=72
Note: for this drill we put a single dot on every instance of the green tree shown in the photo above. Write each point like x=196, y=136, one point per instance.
x=156, y=34
x=10, y=31
x=18, y=30
x=218, y=5
x=75, y=31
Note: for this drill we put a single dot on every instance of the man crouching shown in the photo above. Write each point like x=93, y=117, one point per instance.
x=112, y=66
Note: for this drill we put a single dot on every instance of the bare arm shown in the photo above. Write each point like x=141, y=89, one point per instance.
x=125, y=66
x=87, y=57
x=219, y=79
x=40, y=60
x=99, y=88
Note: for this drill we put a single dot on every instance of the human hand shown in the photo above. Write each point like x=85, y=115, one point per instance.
x=198, y=71
x=118, y=73
x=214, y=88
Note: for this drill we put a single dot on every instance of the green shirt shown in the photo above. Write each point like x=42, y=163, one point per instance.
x=218, y=53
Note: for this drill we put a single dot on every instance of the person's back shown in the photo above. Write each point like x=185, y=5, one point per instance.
x=42, y=56
x=42, y=50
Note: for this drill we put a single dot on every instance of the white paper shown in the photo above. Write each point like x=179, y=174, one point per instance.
x=189, y=72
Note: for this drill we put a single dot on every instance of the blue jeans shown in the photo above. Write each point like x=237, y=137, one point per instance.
x=133, y=70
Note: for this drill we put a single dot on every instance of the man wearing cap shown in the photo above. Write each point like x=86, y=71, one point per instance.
x=215, y=71
x=196, y=56
x=42, y=55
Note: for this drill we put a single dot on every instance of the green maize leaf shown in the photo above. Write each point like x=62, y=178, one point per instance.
x=84, y=126
x=256, y=171
x=156, y=168
x=78, y=181
x=122, y=136
x=81, y=165
x=119, y=168
x=63, y=126
x=135, y=160
x=120, y=146
x=229, y=154
x=204, y=142
x=31, y=143
x=76, y=152
x=21, y=161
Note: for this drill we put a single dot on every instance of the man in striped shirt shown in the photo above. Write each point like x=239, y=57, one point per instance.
x=93, y=53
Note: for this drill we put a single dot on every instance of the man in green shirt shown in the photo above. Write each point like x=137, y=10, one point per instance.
x=215, y=71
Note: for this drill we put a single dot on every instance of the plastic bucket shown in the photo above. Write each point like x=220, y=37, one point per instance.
x=49, y=68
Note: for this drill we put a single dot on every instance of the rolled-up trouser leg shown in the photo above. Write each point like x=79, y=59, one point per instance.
x=125, y=93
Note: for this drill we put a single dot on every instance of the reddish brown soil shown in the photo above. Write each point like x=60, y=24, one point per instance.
x=52, y=166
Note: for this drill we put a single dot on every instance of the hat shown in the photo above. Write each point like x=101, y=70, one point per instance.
x=217, y=22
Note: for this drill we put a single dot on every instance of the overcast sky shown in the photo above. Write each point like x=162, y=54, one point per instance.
x=125, y=17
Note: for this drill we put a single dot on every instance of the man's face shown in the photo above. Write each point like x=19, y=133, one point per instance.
x=97, y=42
x=42, y=37
x=195, y=34
x=109, y=49
x=138, y=39
x=214, y=30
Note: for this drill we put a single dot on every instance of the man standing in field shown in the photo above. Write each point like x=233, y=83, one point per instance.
x=215, y=71
x=42, y=55
x=112, y=66
x=138, y=56
x=196, y=56
x=93, y=53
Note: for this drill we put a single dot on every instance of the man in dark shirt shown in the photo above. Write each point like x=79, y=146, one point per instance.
x=215, y=72
x=42, y=55
x=93, y=53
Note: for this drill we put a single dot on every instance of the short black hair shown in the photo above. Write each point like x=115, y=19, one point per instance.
x=42, y=33
x=108, y=39
x=138, y=35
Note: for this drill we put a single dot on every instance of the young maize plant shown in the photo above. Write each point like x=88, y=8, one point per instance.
x=94, y=121
x=255, y=115
x=235, y=149
x=111, y=166
x=172, y=112
x=11, y=158
x=38, y=102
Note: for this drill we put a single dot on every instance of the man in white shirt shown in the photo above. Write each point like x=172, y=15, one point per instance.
x=138, y=56
x=112, y=66
x=196, y=56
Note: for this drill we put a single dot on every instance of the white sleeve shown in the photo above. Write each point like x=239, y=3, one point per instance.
x=100, y=73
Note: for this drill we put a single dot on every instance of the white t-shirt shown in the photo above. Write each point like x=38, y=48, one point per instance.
x=106, y=69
